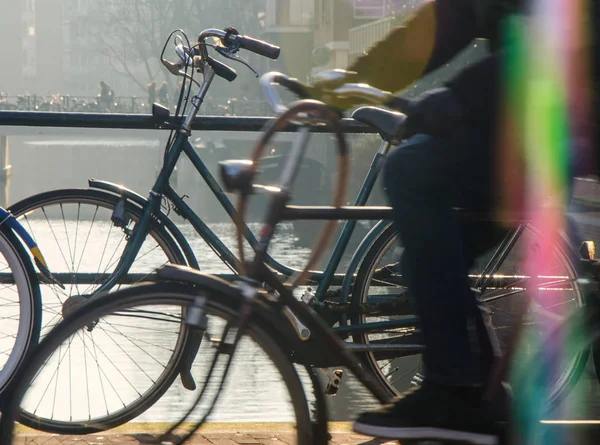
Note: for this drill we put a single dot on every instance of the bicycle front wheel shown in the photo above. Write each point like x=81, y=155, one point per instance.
x=20, y=306
x=380, y=278
x=104, y=345
x=82, y=245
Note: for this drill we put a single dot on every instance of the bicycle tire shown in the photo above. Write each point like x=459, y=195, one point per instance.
x=55, y=301
x=136, y=301
x=14, y=257
x=388, y=239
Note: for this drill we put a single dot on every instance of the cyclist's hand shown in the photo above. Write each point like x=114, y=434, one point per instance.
x=327, y=81
x=435, y=112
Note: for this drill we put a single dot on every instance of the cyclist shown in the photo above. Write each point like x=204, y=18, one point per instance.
x=105, y=97
x=446, y=164
x=163, y=94
x=151, y=87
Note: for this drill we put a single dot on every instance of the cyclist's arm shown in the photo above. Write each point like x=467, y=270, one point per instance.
x=438, y=31
x=477, y=88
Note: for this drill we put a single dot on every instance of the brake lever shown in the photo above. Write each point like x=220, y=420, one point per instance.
x=174, y=68
x=229, y=52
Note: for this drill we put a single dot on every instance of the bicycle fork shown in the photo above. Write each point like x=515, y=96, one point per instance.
x=120, y=218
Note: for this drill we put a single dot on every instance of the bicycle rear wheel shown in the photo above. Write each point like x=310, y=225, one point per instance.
x=20, y=306
x=502, y=296
x=119, y=329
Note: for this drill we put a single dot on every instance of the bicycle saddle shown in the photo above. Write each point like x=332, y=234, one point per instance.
x=386, y=122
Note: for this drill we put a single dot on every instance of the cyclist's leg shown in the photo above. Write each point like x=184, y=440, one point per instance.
x=425, y=179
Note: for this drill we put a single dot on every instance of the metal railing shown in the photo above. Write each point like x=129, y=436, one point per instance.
x=363, y=37
x=11, y=121
x=120, y=104
x=148, y=122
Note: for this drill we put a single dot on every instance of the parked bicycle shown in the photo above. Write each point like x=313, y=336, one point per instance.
x=245, y=318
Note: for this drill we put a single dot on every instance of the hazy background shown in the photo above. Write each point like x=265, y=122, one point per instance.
x=66, y=47
x=54, y=50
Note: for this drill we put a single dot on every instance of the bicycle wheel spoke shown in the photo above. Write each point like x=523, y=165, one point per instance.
x=68, y=248
x=130, y=355
x=403, y=376
x=55, y=237
x=102, y=373
x=87, y=238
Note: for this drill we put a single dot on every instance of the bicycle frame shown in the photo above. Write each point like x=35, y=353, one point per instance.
x=162, y=188
x=324, y=279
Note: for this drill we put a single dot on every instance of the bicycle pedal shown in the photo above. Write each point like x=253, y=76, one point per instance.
x=334, y=383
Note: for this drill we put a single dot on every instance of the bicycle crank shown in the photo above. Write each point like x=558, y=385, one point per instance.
x=334, y=380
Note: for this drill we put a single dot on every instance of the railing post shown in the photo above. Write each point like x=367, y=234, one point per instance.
x=5, y=171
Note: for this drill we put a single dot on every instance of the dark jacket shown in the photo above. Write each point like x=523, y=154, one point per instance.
x=432, y=37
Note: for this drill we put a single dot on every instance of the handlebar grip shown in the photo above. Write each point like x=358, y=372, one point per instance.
x=222, y=70
x=259, y=47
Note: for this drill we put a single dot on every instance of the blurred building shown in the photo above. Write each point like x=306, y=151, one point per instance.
x=383, y=14
x=16, y=48
x=290, y=24
x=49, y=46
x=80, y=60
x=323, y=34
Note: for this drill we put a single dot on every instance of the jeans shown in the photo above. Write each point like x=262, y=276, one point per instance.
x=426, y=179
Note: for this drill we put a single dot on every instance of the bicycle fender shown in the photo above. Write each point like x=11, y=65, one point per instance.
x=141, y=201
x=309, y=353
x=359, y=255
x=7, y=218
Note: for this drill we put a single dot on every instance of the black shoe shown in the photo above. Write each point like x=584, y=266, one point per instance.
x=433, y=412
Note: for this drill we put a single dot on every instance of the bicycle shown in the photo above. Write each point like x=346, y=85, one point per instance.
x=288, y=330
x=140, y=237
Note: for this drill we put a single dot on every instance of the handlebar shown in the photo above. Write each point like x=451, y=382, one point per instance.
x=360, y=92
x=228, y=38
x=258, y=47
x=268, y=81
